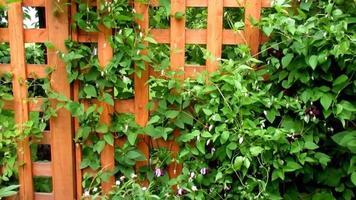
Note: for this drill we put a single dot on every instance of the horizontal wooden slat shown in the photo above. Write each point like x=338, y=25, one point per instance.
x=227, y=3
x=43, y=196
x=232, y=37
x=36, y=71
x=190, y=71
x=34, y=3
x=198, y=36
x=45, y=139
x=31, y=35
x=42, y=169
x=36, y=35
x=87, y=37
x=125, y=106
x=34, y=104
x=5, y=68
x=4, y=35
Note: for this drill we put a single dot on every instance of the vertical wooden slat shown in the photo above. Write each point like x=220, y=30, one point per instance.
x=141, y=89
x=17, y=52
x=105, y=54
x=215, y=30
x=75, y=97
x=177, y=64
x=177, y=36
x=61, y=130
x=252, y=34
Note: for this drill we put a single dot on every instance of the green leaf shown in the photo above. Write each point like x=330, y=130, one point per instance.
x=99, y=146
x=340, y=80
x=267, y=30
x=287, y=59
x=109, y=138
x=167, y=5
x=102, y=128
x=291, y=166
x=224, y=137
x=256, y=150
x=353, y=178
x=201, y=146
x=131, y=137
x=153, y=120
x=171, y=114
x=310, y=145
x=313, y=61
x=346, y=139
x=326, y=100
x=107, y=98
x=150, y=40
x=90, y=91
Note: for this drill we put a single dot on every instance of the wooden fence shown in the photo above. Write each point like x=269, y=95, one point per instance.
x=64, y=165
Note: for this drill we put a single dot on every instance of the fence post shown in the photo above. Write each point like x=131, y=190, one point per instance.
x=214, y=36
x=105, y=53
x=61, y=129
x=17, y=51
x=141, y=89
x=252, y=34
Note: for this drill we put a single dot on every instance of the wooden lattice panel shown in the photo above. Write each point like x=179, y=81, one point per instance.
x=177, y=36
x=59, y=137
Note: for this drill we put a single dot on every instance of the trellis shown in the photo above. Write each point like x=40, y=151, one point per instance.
x=64, y=167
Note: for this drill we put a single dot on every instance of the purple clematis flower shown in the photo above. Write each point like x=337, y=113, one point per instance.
x=158, y=172
x=204, y=171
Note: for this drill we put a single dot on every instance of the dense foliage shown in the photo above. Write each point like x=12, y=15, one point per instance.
x=281, y=127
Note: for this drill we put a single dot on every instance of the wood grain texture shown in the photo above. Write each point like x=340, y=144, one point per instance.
x=105, y=53
x=61, y=129
x=141, y=90
x=215, y=33
x=252, y=34
x=17, y=51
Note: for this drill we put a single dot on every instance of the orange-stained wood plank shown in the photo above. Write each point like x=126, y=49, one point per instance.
x=44, y=196
x=105, y=53
x=178, y=33
x=252, y=34
x=36, y=71
x=17, y=51
x=227, y=3
x=36, y=35
x=199, y=36
x=61, y=129
x=34, y=3
x=31, y=35
x=233, y=37
x=215, y=33
x=4, y=35
x=178, y=40
x=190, y=71
x=125, y=106
x=5, y=68
x=42, y=169
x=141, y=89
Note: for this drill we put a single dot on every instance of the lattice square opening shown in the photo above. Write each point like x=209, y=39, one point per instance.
x=35, y=88
x=3, y=18
x=36, y=53
x=34, y=17
x=194, y=54
x=234, y=18
x=5, y=57
x=196, y=18
x=41, y=152
x=158, y=17
x=43, y=184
